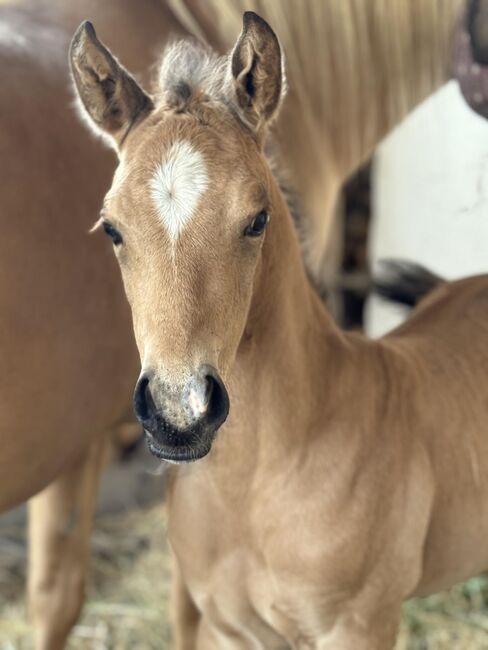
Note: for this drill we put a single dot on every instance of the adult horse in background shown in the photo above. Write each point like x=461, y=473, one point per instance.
x=66, y=346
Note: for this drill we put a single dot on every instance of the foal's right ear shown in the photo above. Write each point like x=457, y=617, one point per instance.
x=112, y=99
x=257, y=72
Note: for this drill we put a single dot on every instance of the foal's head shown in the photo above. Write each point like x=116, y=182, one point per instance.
x=187, y=214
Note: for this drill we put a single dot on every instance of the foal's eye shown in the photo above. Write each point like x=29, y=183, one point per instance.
x=113, y=233
x=257, y=227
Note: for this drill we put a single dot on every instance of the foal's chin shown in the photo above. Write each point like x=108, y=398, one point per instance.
x=186, y=452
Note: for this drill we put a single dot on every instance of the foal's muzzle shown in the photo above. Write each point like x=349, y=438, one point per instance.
x=180, y=421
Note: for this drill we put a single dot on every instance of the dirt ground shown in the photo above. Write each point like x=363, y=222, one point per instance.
x=128, y=595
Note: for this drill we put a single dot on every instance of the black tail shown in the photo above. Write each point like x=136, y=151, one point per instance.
x=404, y=282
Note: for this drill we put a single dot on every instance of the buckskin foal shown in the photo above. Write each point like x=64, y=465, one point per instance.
x=350, y=474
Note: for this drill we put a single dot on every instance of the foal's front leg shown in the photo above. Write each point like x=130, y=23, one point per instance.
x=185, y=615
x=59, y=533
x=357, y=632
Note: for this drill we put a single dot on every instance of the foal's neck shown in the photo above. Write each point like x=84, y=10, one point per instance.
x=290, y=355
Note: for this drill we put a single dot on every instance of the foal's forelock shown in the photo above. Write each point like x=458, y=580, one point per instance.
x=188, y=70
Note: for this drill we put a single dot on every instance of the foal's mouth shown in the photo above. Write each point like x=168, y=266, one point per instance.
x=184, y=453
x=182, y=435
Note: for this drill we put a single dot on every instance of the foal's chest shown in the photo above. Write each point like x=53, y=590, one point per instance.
x=249, y=605
x=250, y=573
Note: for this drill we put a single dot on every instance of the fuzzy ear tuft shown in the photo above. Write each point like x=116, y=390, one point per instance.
x=257, y=72
x=110, y=96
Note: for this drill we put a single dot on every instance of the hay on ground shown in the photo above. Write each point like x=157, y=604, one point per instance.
x=127, y=602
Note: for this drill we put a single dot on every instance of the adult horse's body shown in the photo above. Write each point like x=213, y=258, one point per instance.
x=304, y=522
x=66, y=346
x=65, y=341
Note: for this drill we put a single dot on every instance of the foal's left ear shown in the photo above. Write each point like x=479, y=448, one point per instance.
x=257, y=72
x=110, y=95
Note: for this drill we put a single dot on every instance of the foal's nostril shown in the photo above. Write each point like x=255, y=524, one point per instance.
x=206, y=401
x=218, y=400
x=142, y=398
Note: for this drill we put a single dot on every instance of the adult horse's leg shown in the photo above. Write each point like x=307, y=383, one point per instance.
x=60, y=525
